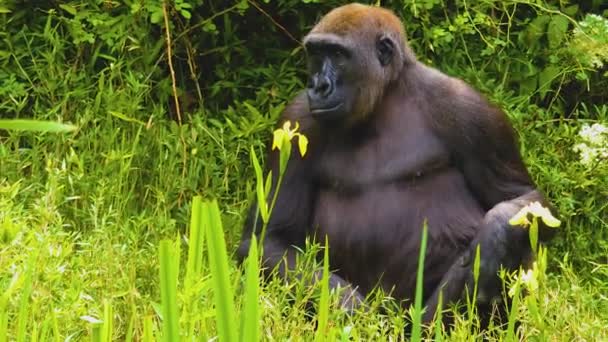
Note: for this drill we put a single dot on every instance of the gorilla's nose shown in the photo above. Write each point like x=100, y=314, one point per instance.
x=322, y=86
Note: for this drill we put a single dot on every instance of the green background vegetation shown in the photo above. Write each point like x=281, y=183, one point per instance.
x=82, y=214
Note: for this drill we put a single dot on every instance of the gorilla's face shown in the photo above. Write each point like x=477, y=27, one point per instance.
x=346, y=77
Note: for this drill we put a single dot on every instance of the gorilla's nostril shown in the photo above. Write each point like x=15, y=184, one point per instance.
x=324, y=86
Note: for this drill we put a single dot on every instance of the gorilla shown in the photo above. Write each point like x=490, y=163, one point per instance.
x=393, y=143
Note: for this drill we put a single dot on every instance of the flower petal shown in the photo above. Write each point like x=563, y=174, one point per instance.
x=521, y=218
x=277, y=139
x=302, y=144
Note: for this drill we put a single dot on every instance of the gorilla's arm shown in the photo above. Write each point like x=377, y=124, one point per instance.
x=291, y=219
x=484, y=147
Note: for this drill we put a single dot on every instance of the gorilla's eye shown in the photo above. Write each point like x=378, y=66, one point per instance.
x=339, y=54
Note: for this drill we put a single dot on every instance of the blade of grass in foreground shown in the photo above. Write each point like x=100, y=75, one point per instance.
x=148, y=333
x=194, y=265
x=324, y=300
x=417, y=314
x=218, y=264
x=4, y=300
x=251, y=316
x=35, y=125
x=511, y=334
x=438, y=319
x=24, y=302
x=168, y=290
x=108, y=322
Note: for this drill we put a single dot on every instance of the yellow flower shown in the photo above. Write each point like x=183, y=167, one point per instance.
x=284, y=135
x=536, y=210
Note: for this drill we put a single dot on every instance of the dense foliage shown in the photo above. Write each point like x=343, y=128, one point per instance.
x=170, y=98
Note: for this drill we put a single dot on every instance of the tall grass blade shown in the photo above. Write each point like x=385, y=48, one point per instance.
x=218, y=264
x=417, y=314
x=513, y=316
x=108, y=322
x=168, y=291
x=194, y=265
x=35, y=125
x=472, y=300
x=44, y=331
x=4, y=299
x=96, y=333
x=56, y=333
x=34, y=334
x=251, y=316
x=148, y=334
x=324, y=300
x=261, y=194
x=24, y=302
x=533, y=235
x=439, y=319
x=131, y=326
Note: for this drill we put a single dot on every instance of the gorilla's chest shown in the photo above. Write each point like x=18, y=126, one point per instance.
x=389, y=156
x=373, y=198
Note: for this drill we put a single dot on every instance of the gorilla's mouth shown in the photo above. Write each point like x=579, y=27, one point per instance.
x=325, y=110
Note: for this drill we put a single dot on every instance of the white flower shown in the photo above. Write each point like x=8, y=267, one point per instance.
x=594, y=145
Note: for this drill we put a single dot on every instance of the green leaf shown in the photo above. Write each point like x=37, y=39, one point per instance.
x=156, y=17
x=512, y=319
x=107, y=328
x=528, y=85
x=168, y=290
x=268, y=184
x=251, y=315
x=21, y=319
x=556, y=32
x=35, y=126
x=68, y=8
x=546, y=77
x=536, y=29
x=124, y=117
x=533, y=234
x=285, y=153
x=477, y=264
x=223, y=295
x=4, y=10
x=438, y=319
x=323, y=315
x=417, y=314
x=259, y=182
x=196, y=241
x=185, y=14
x=148, y=330
x=571, y=10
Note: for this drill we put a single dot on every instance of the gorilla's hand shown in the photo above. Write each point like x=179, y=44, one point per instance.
x=501, y=246
x=350, y=298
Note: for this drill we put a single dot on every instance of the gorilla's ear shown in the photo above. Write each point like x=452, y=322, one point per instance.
x=385, y=49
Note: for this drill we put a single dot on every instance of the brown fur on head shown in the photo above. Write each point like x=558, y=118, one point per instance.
x=359, y=28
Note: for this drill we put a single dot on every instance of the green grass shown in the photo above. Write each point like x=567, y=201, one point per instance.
x=95, y=222
x=81, y=230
